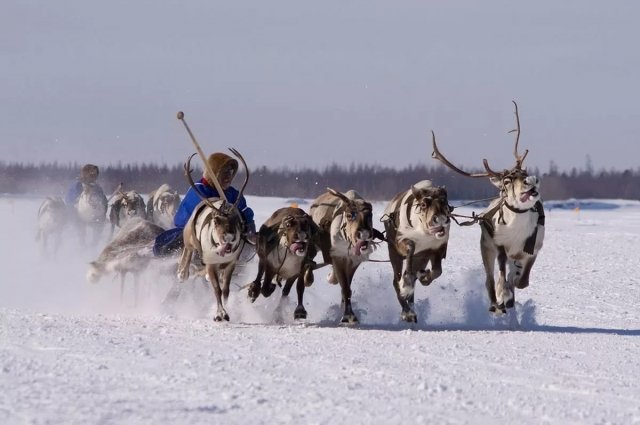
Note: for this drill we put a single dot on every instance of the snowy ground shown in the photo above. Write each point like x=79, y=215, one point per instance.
x=73, y=353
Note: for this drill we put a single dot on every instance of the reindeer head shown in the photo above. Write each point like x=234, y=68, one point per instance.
x=227, y=228
x=167, y=203
x=296, y=230
x=131, y=204
x=517, y=188
x=95, y=272
x=357, y=221
x=432, y=207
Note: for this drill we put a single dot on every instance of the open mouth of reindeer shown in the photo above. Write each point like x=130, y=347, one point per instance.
x=361, y=246
x=437, y=231
x=298, y=248
x=224, y=248
x=531, y=193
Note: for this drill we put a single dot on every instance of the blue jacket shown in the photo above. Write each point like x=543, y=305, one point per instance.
x=74, y=192
x=191, y=200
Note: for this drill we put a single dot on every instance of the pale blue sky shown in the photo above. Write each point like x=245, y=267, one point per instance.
x=301, y=83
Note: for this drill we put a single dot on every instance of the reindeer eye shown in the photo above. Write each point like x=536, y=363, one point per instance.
x=507, y=180
x=352, y=215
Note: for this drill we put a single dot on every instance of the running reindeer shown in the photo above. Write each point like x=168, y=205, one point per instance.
x=512, y=226
x=285, y=247
x=215, y=231
x=52, y=218
x=417, y=223
x=124, y=207
x=345, y=238
x=92, y=211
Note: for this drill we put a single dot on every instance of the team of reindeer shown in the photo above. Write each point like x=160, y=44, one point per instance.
x=339, y=228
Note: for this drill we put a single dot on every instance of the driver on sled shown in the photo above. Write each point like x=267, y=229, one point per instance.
x=225, y=168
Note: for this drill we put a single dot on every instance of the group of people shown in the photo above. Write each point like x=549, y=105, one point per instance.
x=170, y=241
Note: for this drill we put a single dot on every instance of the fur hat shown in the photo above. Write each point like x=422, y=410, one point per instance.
x=89, y=173
x=217, y=162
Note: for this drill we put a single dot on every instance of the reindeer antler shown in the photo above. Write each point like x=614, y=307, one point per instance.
x=246, y=170
x=187, y=173
x=519, y=159
x=440, y=157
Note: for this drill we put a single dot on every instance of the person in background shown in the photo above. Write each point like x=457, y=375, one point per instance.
x=88, y=175
x=225, y=169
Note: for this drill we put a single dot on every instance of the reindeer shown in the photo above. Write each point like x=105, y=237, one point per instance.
x=285, y=250
x=129, y=252
x=91, y=207
x=214, y=231
x=345, y=238
x=417, y=223
x=162, y=206
x=52, y=217
x=512, y=226
x=125, y=206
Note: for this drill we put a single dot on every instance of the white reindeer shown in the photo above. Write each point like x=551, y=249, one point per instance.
x=512, y=227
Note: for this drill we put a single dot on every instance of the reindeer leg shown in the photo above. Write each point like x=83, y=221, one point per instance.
x=503, y=294
x=184, y=263
x=523, y=280
x=267, y=285
x=408, y=275
x=407, y=314
x=254, y=287
x=346, y=277
x=300, y=313
x=212, y=273
x=427, y=276
x=136, y=288
x=122, y=276
x=226, y=281
x=489, y=255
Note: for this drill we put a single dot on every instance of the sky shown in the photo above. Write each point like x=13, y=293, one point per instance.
x=306, y=84
x=74, y=353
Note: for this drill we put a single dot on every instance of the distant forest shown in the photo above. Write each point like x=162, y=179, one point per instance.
x=372, y=182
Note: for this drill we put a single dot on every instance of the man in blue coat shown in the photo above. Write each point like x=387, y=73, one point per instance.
x=225, y=169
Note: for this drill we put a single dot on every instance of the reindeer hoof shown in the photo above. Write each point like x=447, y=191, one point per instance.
x=510, y=303
x=308, y=276
x=220, y=318
x=267, y=290
x=500, y=309
x=409, y=317
x=349, y=320
x=521, y=284
x=254, y=291
x=300, y=313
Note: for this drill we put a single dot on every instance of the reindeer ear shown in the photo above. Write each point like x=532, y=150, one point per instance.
x=416, y=193
x=496, y=181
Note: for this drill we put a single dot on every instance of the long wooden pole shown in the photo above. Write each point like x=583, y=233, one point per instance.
x=210, y=172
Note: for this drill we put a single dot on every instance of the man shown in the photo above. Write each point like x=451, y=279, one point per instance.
x=225, y=169
x=88, y=175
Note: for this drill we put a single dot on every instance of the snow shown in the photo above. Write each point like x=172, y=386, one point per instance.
x=73, y=352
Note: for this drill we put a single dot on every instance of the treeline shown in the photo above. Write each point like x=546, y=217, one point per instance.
x=371, y=181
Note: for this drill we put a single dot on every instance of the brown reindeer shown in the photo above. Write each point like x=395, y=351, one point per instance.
x=345, y=238
x=285, y=247
x=417, y=222
x=512, y=226
x=215, y=232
